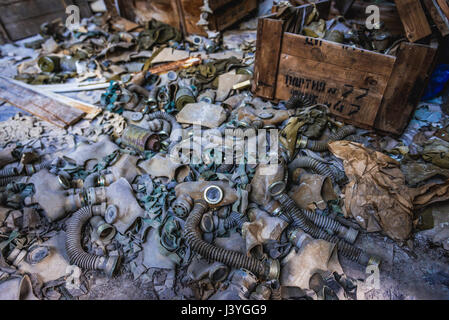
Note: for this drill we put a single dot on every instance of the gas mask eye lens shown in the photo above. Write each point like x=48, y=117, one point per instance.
x=213, y=195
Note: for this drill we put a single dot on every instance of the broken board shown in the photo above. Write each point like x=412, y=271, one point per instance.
x=439, y=11
x=414, y=19
x=38, y=103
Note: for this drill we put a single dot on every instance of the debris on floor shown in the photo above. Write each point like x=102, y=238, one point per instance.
x=209, y=161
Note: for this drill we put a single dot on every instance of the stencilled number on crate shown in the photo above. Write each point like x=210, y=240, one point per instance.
x=349, y=109
x=345, y=107
x=348, y=90
x=313, y=42
x=347, y=100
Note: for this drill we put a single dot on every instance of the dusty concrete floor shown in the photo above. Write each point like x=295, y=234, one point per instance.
x=404, y=275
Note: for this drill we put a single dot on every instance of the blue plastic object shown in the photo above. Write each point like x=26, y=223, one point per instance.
x=437, y=82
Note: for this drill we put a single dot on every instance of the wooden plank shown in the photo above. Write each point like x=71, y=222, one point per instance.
x=126, y=9
x=216, y=4
x=7, y=2
x=221, y=18
x=122, y=24
x=191, y=13
x=26, y=28
x=232, y=13
x=38, y=103
x=344, y=5
x=337, y=54
x=444, y=5
x=414, y=19
x=438, y=16
x=111, y=8
x=349, y=93
x=4, y=36
x=411, y=72
x=29, y=9
x=72, y=87
x=85, y=10
x=89, y=109
x=268, y=49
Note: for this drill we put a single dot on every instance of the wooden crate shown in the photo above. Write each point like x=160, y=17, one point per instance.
x=22, y=18
x=365, y=88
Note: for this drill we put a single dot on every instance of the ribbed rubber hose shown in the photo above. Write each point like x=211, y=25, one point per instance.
x=299, y=220
x=235, y=219
x=296, y=102
x=9, y=172
x=5, y=180
x=324, y=222
x=310, y=163
x=231, y=258
x=322, y=146
x=38, y=167
x=77, y=255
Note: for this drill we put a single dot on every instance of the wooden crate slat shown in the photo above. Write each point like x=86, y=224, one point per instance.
x=337, y=54
x=232, y=13
x=23, y=18
x=408, y=80
x=269, y=31
x=215, y=4
x=191, y=13
x=225, y=14
x=26, y=28
x=438, y=16
x=30, y=9
x=414, y=19
x=38, y=103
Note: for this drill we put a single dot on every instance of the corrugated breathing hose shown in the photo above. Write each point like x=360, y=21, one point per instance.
x=231, y=258
x=301, y=221
x=9, y=172
x=310, y=163
x=326, y=223
x=77, y=255
x=235, y=219
x=5, y=180
x=321, y=146
x=32, y=169
x=298, y=101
